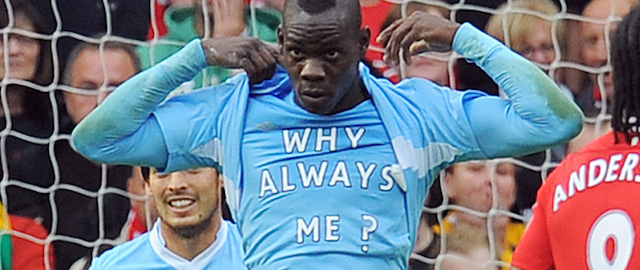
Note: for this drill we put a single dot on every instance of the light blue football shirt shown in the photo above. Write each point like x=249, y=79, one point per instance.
x=149, y=251
x=319, y=189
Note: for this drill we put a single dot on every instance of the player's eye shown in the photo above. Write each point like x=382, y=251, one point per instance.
x=332, y=54
x=296, y=53
x=195, y=171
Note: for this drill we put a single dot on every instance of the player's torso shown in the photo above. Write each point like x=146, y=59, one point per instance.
x=593, y=215
x=319, y=188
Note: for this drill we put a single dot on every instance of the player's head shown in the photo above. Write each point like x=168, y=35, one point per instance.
x=84, y=72
x=594, y=46
x=188, y=202
x=470, y=184
x=625, y=54
x=322, y=44
x=529, y=35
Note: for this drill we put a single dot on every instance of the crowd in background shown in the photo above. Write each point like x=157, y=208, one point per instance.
x=50, y=190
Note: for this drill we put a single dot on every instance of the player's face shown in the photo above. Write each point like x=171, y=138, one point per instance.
x=186, y=200
x=23, y=52
x=88, y=75
x=321, y=56
x=470, y=184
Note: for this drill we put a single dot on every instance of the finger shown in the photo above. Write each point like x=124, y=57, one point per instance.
x=248, y=66
x=265, y=64
x=383, y=37
x=405, y=45
x=394, y=45
x=269, y=55
x=271, y=61
x=258, y=62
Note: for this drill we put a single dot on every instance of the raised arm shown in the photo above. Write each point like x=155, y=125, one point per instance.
x=123, y=129
x=536, y=115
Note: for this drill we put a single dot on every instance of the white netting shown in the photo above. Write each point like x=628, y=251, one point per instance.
x=567, y=68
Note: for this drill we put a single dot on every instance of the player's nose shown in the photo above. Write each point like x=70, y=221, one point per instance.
x=313, y=70
x=177, y=181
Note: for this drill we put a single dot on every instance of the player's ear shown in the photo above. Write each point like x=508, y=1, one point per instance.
x=147, y=188
x=363, y=42
x=280, y=39
x=448, y=184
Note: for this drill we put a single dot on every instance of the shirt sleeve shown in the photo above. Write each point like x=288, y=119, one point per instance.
x=536, y=114
x=534, y=249
x=123, y=130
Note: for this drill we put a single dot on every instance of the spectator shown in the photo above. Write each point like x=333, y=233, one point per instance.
x=190, y=233
x=587, y=213
x=530, y=31
x=595, y=54
x=479, y=186
x=431, y=65
x=529, y=28
x=29, y=109
x=160, y=9
x=78, y=215
x=187, y=22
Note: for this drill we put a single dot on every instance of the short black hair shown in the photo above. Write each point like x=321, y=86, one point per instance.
x=349, y=10
x=315, y=6
x=625, y=55
x=145, y=173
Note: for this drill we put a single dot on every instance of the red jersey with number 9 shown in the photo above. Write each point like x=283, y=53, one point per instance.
x=587, y=214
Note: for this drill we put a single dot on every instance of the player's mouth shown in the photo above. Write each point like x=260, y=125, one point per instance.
x=312, y=95
x=180, y=204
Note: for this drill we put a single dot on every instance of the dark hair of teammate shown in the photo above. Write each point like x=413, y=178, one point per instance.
x=625, y=54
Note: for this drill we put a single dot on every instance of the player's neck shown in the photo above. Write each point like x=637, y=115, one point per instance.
x=191, y=247
x=353, y=98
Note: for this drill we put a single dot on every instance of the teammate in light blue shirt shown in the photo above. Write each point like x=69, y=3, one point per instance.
x=325, y=166
x=190, y=233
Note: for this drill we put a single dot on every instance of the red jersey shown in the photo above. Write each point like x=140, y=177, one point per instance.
x=587, y=214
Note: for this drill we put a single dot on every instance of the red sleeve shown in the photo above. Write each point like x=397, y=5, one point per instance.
x=534, y=249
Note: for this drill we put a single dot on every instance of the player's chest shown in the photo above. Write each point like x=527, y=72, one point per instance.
x=274, y=134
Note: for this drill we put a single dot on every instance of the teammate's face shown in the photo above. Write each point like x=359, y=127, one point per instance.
x=470, y=184
x=186, y=201
x=321, y=55
x=23, y=52
x=88, y=75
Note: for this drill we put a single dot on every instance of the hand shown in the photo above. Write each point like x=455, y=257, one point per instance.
x=415, y=34
x=255, y=57
x=228, y=17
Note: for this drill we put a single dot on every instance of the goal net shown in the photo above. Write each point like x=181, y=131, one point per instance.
x=79, y=207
